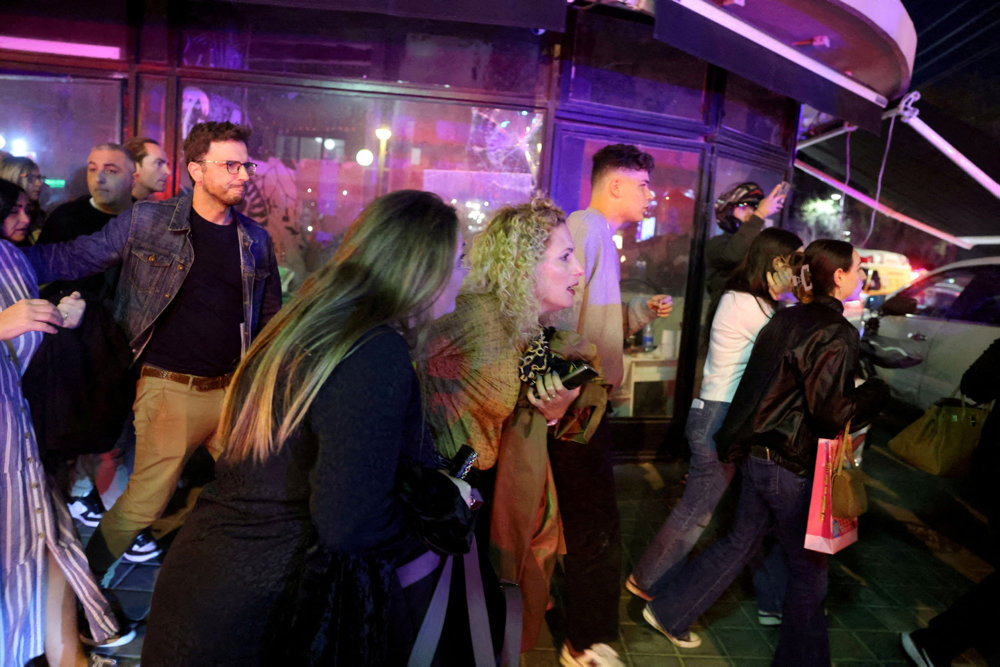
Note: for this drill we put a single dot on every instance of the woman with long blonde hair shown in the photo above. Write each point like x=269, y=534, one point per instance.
x=317, y=420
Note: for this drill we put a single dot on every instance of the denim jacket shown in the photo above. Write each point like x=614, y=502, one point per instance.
x=151, y=243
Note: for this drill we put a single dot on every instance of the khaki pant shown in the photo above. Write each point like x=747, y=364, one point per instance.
x=171, y=421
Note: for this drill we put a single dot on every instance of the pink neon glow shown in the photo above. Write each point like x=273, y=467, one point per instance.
x=60, y=48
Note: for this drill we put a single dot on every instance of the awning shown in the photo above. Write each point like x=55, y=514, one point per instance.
x=846, y=58
x=546, y=14
x=920, y=180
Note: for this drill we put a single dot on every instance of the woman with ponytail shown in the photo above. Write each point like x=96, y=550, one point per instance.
x=798, y=386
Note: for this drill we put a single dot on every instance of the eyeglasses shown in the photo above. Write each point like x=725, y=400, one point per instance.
x=233, y=166
x=33, y=178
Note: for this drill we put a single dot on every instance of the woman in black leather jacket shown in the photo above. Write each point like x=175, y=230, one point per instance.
x=798, y=387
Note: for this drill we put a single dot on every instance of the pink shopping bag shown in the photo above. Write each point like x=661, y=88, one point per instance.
x=824, y=532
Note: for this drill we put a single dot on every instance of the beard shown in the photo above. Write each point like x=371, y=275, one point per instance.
x=230, y=195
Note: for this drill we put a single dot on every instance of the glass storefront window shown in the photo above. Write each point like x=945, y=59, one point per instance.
x=152, y=118
x=729, y=173
x=655, y=253
x=756, y=111
x=320, y=161
x=618, y=63
x=56, y=121
x=356, y=45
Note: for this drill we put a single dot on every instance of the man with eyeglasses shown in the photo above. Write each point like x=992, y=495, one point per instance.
x=199, y=280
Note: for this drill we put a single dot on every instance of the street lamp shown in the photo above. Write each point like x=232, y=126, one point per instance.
x=383, y=134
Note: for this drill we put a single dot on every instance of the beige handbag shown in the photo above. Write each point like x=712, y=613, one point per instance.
x=941, y=441
x=847, y=486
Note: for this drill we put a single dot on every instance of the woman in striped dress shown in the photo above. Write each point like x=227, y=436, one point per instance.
x=43, y=570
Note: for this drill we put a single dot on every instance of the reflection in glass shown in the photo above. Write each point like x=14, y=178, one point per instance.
x=619, y=63
x=362, y=46
x=55, y=122
x=757, y=112
x=319, y=158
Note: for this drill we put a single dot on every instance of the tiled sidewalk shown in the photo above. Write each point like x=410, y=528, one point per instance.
x=917, y=553
x=921, y=547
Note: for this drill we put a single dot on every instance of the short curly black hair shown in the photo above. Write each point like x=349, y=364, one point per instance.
x=201, y=136
x=620, y=156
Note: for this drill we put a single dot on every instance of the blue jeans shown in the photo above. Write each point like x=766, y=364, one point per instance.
x=707, y=481
x=770, y=494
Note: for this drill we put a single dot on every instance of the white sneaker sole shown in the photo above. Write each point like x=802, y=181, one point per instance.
x=141, y=557
x=915, y=654
x=111, y=642
x=692, y=641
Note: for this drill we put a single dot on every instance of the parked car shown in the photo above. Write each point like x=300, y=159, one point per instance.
x=935, y=328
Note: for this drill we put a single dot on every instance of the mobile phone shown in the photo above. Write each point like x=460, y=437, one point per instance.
x=577, y=375
x=784, y=188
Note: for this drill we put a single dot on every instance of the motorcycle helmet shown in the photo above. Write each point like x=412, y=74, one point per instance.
x=744, y=193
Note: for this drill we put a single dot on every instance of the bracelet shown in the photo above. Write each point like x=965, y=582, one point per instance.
x=552, y=422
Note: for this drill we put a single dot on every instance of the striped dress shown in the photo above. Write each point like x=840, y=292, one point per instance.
x=33, y=518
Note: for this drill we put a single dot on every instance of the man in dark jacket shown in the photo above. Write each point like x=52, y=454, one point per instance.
x=741, y=212
x=188, y=322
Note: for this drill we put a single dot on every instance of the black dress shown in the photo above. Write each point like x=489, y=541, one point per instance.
x=227, y=591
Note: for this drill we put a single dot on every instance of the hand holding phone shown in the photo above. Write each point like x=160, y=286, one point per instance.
x=578, y=375
x=774, y=201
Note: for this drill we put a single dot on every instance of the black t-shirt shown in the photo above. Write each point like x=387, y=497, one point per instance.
x=65, y=223
x=199, y=332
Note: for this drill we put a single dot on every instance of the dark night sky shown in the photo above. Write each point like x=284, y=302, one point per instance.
x=957, y=67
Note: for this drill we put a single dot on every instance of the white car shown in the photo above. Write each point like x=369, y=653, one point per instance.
x=945, y=319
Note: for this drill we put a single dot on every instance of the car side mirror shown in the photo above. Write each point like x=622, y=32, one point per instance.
x=899, y=305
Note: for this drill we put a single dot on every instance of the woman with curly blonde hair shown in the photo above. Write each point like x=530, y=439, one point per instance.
x=491, y=384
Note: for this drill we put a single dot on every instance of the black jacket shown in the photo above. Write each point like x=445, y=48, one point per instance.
x=799, y=386
x=980, y=384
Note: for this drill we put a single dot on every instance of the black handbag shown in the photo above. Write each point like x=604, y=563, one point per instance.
x=435, y=509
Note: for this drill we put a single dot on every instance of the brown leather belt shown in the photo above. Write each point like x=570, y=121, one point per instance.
x=196, y=382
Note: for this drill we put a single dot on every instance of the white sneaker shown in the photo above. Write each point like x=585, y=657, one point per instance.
x=143, y=548
x=598, y=655
x=917, y=654
x=769, y=618
x=86, y=511
x=688, y=640
x=124, y=637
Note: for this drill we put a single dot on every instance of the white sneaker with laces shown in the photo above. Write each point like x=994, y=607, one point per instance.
x=689, y=639
x=84, y=511
x=598, y=655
